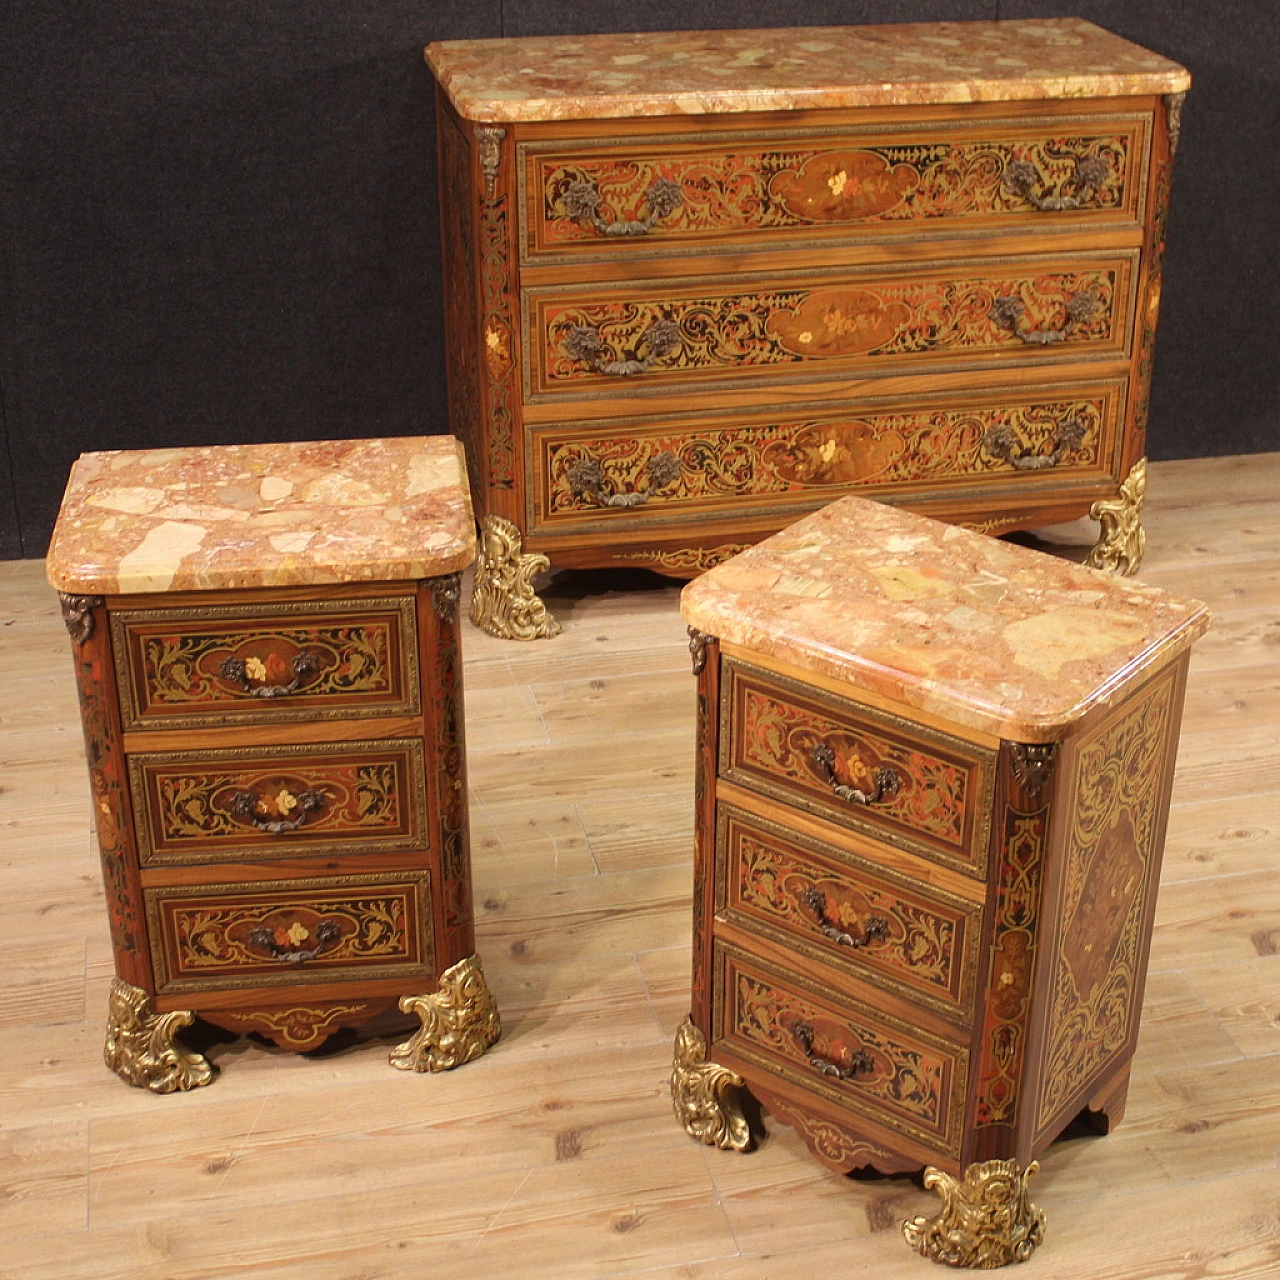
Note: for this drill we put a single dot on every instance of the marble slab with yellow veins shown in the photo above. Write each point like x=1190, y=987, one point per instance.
x=262, y=515
x=996, y=637
x=784, y=69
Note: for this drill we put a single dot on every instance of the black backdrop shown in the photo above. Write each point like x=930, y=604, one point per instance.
x=218, y=221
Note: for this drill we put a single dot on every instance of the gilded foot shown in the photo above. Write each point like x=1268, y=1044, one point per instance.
x=702, y=1094
x=1121, y=540
x=142, y=1047
x=986, y=1221
x=503, y=602
x=459, y=1021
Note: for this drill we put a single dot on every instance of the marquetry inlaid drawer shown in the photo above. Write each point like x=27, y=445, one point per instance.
x=865, y=1061
x=654, y=471
x=823, y=323
x=822, y=900
x=285, y=801
x=625, y=196
x=918, y=788
x=244, y=664
x=285, y=933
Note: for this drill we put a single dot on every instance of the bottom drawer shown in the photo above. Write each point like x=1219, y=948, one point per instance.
x=861, y=1059
x=291, y=932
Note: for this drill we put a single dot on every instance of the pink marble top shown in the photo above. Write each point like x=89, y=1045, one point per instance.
x=1002, y=639
x=262, y=515
x=697, y=72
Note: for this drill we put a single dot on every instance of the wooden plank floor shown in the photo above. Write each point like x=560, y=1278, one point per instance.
x=557, y=1154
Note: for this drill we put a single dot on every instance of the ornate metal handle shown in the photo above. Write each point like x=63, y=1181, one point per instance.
x=581, y=201
x=328, y=934
x=586, y=480
x=887, y=781
x=1021, y=176
x=1001, y=441
x=876, y=928
x=236, y=670
x=244, y=805
x=585, y=343
x=860, y=1061
x=1011, y=312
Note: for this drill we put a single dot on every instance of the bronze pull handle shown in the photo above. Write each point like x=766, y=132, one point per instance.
x=1011, y=312
x=1001, y=441
x=236, y=670
x=876, y=928
x=887, y=780
x=581, y=201
x=584, y=343
x=860, y=1061
x=1021, y=177
x=328, y=934
x=244, y=805
x=587, y=480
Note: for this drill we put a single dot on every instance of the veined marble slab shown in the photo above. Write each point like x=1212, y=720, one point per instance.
x=262, y=515
x=782, y=69
x=1003, y=639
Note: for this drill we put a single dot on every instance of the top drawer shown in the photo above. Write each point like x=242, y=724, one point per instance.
x=263, y=663
x=609, y=197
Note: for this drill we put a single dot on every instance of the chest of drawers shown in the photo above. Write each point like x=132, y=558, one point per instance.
x=699, y=283
x=266, y=648
x=932, y=782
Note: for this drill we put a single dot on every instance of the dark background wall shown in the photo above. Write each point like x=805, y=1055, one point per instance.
x=218, y=221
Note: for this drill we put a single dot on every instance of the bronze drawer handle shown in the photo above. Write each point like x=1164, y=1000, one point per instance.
x=887, y=780
x=860, y=1061
x=876, y=928
x=1011, y=312
x=587, y=480
x=1002, y=441
x=581, y=201
x=585, y=343
x=236, y=671
x=244, y=805
x=1021, y=177
x=328, y=934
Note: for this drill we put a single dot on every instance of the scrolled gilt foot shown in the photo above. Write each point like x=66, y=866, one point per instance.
x=142, y=1047
x=459, y=1021
x=987, y=1219
x=702, y=1094
x=1121, y=539
x=503, y=602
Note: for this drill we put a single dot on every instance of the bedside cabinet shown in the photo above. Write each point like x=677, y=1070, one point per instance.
x=699, y=283
x=933, y=773
x=266, y=648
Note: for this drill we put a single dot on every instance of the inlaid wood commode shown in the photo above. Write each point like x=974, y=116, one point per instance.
x=699, y=283
x=933, y=773
x=266, y=648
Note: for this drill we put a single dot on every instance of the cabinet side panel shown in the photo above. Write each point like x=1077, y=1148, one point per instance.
x=706, y=665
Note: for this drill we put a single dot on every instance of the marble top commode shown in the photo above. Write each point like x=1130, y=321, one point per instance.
x=1002, y=639
x=263, y=515
x=702, y=72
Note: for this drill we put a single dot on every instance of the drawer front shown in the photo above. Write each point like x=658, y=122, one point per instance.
x=260, y=663
x=286, y=933
x=827, y=903
x=618, y=197
x=273, y=802
x=877, y=774
x=839, y=1049
x=591, y=339
x=642, y=472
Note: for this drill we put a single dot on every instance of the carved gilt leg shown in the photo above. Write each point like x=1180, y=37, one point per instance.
x=1121, y=539
x=459, y=1021
x=702, y=1094
x=142, y=1046
x=987, y=1219
x=503, y=602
